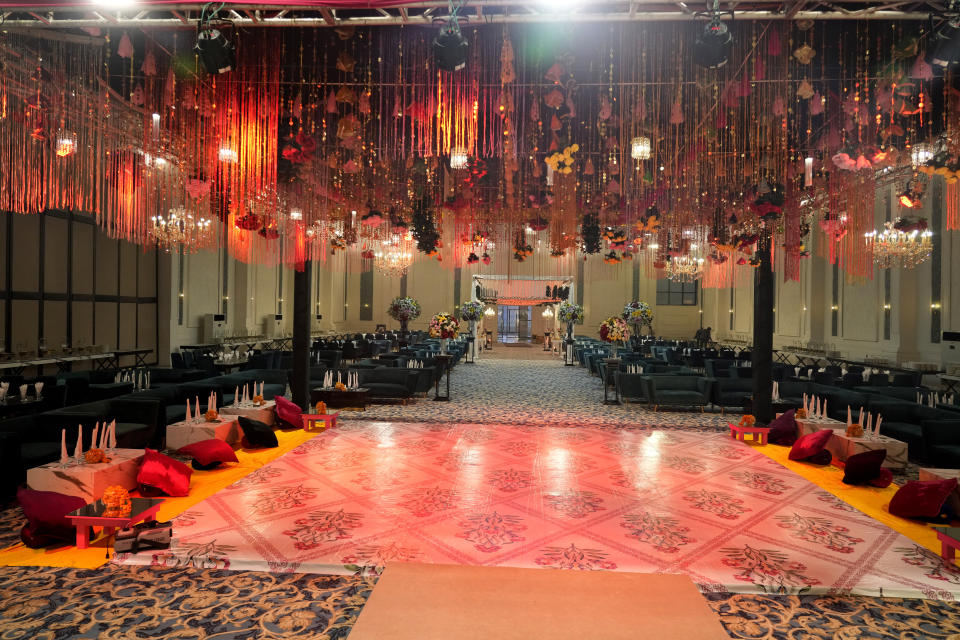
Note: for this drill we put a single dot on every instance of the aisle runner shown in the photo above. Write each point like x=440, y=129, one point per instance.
x=365, y=494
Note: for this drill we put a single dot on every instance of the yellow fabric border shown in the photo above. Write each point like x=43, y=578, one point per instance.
x=203, y=484
x=872, y=501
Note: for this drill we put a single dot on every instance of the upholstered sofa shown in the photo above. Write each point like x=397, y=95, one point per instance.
x=679, y=391
x=941, y=443
x=632, y=387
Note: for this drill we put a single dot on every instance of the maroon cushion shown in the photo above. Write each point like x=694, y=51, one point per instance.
x=207, y=454
x=863, y=467
x=45, y=512
x=783, y=430
x=164, y=474
x=883, y=479
x=288, y=413
x=922, y=499
x=810, y=444
x=820, y=457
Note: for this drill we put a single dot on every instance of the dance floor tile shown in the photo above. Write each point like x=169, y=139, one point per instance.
x=351, y=500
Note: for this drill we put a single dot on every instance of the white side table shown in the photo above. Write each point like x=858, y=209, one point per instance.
x=88, y=481
x=180, y=434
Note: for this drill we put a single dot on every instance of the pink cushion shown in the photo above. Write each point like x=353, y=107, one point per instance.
x=288, y=413
x=922, y=499
x=783, y=430
x=810, y=444
x=164, y=473
x=209, y=453
x=45, y=512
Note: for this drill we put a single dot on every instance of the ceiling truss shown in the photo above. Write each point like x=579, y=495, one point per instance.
x=472, y=13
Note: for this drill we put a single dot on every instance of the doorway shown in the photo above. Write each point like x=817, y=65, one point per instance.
x=513, y=323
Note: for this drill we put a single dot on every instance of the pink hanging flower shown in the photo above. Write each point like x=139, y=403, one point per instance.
x=125, y=48
x=921, y=70
x=676, y=113
x=605, y=109
x=554, y=73
x=149, y=67
x=774, y=47
x=779, y=108
x=331, y=102
x=197, y=189
x=816, y=104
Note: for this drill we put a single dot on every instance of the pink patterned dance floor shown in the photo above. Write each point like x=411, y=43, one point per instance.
x=352, y=499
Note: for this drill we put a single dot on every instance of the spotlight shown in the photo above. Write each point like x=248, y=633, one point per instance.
x=450, y=47
x=712, y=47
x=217, y=54
x=944, y=44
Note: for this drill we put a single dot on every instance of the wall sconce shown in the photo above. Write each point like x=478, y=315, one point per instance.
x=886, y=307
x=804, y=308
x=834, y=308
x=935, y=306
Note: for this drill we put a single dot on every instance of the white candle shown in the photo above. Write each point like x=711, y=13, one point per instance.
x=869, y=422
x=63, y=446
x=849, y=422
x=78, y=450
x=876, y=429
x=94, y=442
x=197, y=407
x=236, y=395
x=824, y=414
x=189, y=417
x=113, y=434
x=860, y=418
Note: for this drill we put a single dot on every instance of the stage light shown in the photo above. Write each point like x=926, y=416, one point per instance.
x=226, y=154
x=217, y=54
x=712, y=47
x=944, y=45
x=450, y=47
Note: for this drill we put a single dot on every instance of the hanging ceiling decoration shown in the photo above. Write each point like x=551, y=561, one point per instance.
x=559, y=148
x=900, y=244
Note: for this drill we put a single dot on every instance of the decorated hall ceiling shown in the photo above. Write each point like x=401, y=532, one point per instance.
x=557, y=141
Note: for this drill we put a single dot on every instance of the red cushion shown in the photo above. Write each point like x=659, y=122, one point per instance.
x=863, y=467
x=810, y=444
x=45, y=512
x=288, y=413
x=922, y=499
x=210, y=452
x=783, y=430
x=883, y=479
x=164, y=473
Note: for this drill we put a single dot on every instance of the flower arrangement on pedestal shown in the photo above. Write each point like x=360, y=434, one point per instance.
x=614, y=329
x=403, y=310
x=639, y=314
x=444, y=325
x=472, y=311
x=570, y=312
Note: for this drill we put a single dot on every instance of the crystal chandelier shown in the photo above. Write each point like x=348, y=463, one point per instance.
x=640, y=148
x=394, y=257
x=895, y=247
x=179, y=229
x=684, y=268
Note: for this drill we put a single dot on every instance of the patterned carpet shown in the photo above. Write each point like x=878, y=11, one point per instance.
x=534, y=392
x=134, y=602
x=117, y=603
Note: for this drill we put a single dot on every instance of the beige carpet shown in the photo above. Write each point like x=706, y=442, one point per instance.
x=441, y=602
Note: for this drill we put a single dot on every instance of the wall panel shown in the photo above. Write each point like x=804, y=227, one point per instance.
x=128, y=274
x=26, y=253
x=55, y=323
x=82, y=324
x=106, y=267
x=25, y=330
x=128, y=325
x=81, y=270
x=55, y=267
x=105, y=333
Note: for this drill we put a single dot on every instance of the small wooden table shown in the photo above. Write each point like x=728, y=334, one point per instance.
x=329, y=420
x=949, y=542
x=92, y=516
x=739, y=432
